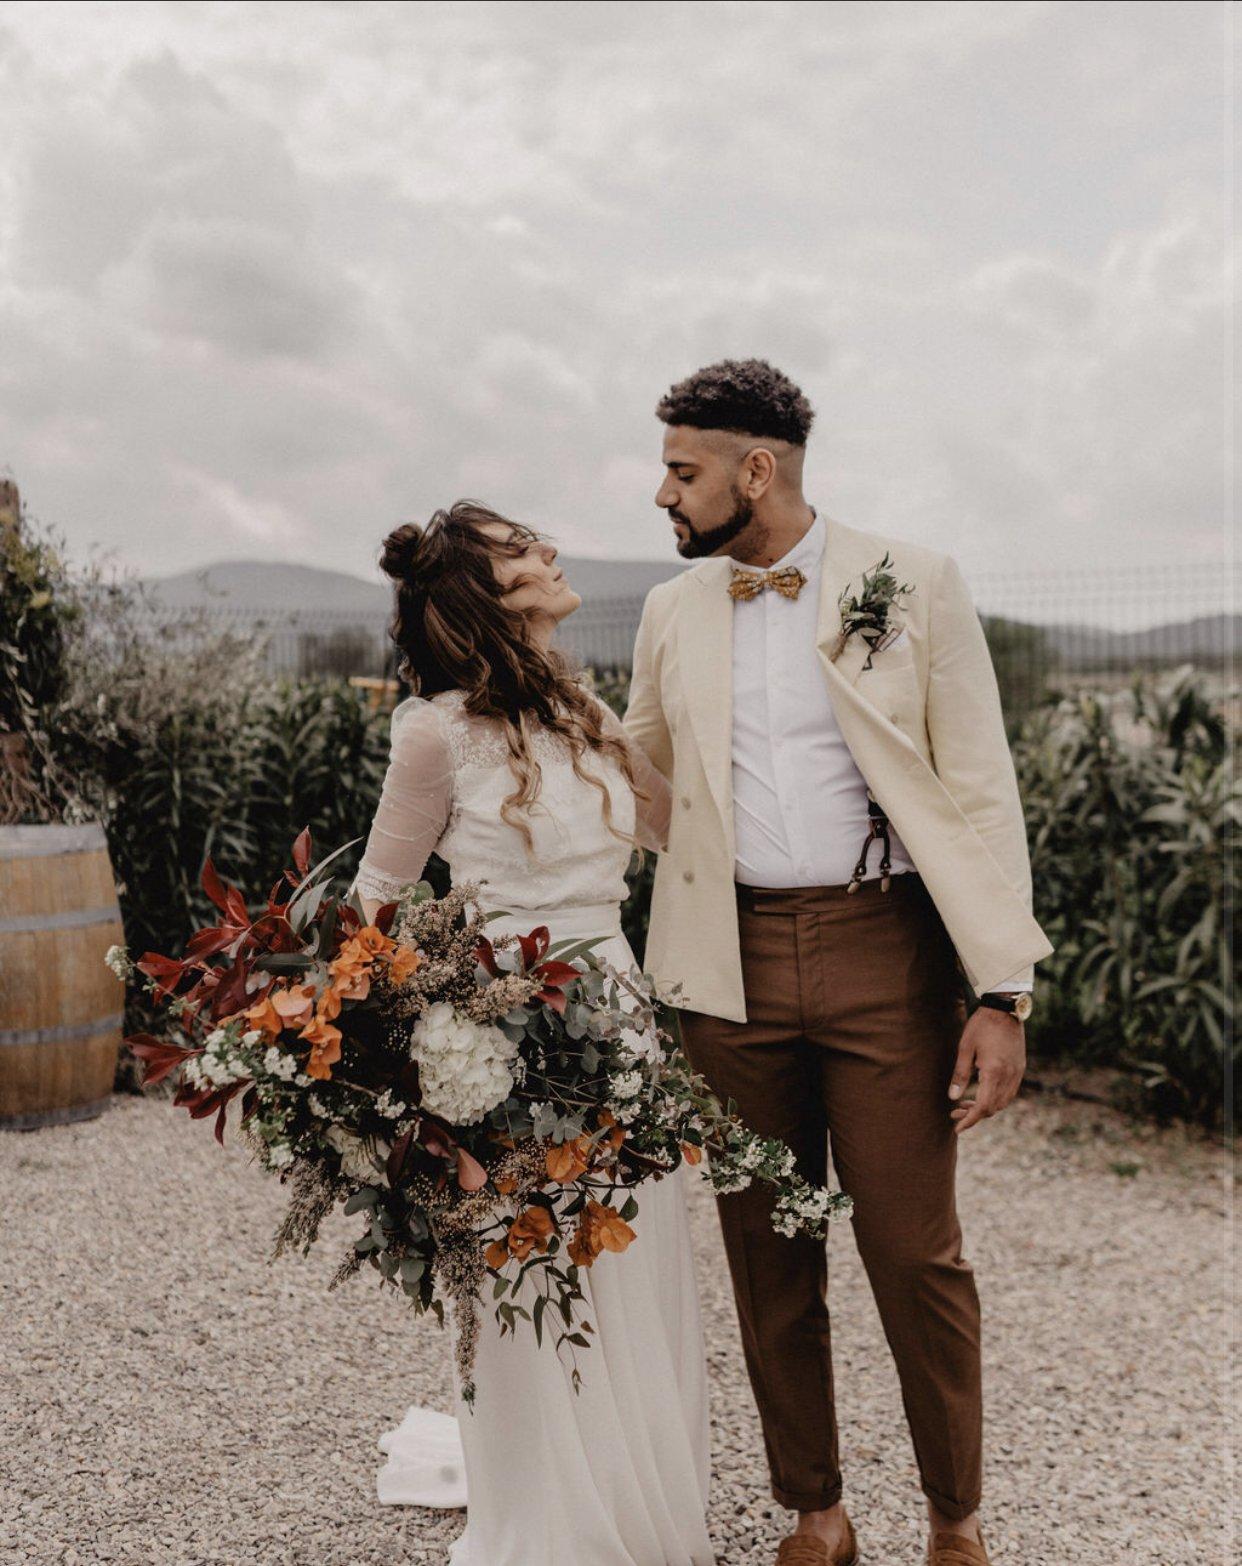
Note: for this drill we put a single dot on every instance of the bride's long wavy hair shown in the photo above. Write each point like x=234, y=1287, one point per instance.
x=454, y=631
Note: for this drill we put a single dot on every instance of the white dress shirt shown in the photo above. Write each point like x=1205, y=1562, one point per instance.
x=799, y=801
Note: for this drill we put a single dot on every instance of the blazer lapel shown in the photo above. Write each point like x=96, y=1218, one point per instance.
x=846, y=557
x=705, y=656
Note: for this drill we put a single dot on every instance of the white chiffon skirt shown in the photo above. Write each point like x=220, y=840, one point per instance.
x=617, y=1473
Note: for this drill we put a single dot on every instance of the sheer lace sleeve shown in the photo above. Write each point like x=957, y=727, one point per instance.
x=652, y=814
x=414, y=803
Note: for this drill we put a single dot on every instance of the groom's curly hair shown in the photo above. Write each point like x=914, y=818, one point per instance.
x=743, y=397
x=454, y=631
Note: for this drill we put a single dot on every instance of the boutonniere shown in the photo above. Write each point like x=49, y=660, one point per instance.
x=869, y=612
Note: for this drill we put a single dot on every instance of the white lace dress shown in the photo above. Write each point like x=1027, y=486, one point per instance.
x=617, y=1473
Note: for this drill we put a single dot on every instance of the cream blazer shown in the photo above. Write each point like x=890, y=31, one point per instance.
x=923, y=723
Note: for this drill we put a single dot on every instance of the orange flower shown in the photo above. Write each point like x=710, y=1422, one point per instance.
x=372, y=940
x=294, y=1003
x=263, y=1015
x=325, y=1042
x=599, y=1229
x=691, y=1153
x=569, y=1160
x=582, y=1248
x=351, y=958
x=506, y=1185
x=328, y=1007
x=402, y=963
x=497, y=1254
x=614, y=1233
x=531, y=1230
x=352, y=986
x=617, y=1134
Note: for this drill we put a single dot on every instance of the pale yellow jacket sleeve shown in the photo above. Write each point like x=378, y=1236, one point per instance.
x=644, y=716
x=966, y=730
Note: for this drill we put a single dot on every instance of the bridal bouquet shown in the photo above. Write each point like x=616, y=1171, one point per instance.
x=486, y=1107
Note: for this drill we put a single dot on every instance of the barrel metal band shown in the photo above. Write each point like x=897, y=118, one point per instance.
x=47, y=842
x=70, y=919
x=62, y=1033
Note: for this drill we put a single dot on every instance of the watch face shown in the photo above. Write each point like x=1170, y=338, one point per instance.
x=1023, y=1006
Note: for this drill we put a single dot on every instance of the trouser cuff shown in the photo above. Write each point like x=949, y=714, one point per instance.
x=951, y=1508
x=810, y=1500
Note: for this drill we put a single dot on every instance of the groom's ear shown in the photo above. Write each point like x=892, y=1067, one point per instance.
x=758, y=471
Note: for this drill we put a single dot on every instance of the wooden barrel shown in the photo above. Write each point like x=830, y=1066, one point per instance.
x=61, y=1007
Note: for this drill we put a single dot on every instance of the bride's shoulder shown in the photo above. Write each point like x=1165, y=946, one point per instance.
x=417, y=722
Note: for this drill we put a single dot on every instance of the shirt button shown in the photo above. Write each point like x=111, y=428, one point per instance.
x=687, y=875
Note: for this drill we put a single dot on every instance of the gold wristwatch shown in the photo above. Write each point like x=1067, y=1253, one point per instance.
x=1018, y=1003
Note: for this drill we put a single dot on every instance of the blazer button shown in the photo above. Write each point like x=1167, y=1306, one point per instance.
x=685, y=800
x=687, y=875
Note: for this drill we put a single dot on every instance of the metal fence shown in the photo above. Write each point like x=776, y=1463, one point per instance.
x=1043, y=627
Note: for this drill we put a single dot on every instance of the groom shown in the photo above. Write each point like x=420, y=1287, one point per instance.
x=846, y=830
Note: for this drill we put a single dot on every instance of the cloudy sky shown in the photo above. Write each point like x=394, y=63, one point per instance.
x=274, y=277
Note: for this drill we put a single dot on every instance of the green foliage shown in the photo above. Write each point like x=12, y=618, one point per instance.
x=38, y=608
x=179, y=742
x=1133, y=816
x=182, y=746
x=1022, y=659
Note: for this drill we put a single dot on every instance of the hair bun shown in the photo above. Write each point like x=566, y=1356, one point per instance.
x=400, y=551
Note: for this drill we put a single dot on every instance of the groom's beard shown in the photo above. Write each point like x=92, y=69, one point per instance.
x=707, y=541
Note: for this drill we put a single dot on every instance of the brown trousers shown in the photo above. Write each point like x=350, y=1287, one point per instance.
x=855, y=1010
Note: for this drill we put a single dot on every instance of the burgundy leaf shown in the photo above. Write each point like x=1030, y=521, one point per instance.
x=302, y=851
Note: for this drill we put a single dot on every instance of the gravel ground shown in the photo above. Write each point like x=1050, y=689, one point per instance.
x=170, y=1399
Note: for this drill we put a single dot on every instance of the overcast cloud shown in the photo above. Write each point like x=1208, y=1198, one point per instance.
x=274, y=277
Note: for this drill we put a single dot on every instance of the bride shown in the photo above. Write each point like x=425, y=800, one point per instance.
x=522, y=780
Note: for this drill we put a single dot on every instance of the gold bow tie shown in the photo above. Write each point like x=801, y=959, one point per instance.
x=746, y=585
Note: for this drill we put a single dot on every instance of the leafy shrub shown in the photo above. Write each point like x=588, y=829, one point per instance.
x=1133, y=813
x=38, y=609
x=182, y=747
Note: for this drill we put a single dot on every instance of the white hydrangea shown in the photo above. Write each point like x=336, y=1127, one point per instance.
x=625, y=1085
x=316, y=1105
x=390, y=1108
x=465, y=1068
x=279, y=1154
x=356, y=1160
x=635, y=1045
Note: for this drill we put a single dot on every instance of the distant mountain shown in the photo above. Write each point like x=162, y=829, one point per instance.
x=279, y=587
x=1206, y=638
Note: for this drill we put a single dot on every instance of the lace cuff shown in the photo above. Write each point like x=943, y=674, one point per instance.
x=375, y=886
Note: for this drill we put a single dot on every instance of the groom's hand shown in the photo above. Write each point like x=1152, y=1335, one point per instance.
x=994, y=1044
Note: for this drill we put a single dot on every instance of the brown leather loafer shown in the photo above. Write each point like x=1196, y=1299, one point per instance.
x=955, y=1549
x=804, y=1549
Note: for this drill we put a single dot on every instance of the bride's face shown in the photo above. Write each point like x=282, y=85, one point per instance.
x=525, y=565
